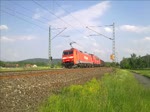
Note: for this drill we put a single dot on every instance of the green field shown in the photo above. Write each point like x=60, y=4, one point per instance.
x=26, y=69
x=145, y=72
x=116, y=92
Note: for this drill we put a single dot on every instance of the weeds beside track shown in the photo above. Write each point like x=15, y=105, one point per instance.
x=145, y=72
x=118, y=92
x=25, y=91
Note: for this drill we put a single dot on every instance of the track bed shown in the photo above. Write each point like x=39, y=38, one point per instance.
x=24, y=91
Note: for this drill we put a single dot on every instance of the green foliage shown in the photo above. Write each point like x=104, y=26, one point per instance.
x=107, y=64
x=111, y=64
x=2, y=63
x=36, y=61
x=116, y=92
x=135, y=62
x=145, y=72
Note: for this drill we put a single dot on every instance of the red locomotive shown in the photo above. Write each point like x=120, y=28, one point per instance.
x=76, y=58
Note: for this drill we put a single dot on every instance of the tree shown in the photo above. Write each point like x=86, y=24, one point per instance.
x=125, y=63
x=133, y=61
x=2, y=64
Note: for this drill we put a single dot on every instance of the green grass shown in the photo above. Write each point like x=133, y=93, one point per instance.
x=116, y=92
x=145, y=72
x=25, y=69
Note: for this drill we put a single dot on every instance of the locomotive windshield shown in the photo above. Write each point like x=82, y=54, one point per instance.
x=67, y=52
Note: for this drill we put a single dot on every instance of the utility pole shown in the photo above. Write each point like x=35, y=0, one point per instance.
x=50, y=47
x=113, y=56
x=113, y=43
x=50, y=39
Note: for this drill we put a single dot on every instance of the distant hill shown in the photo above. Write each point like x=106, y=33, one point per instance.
x=37, y=61
x=40, y=60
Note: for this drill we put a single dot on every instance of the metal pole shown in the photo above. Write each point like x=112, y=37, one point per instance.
x=50, y=46
x=113, y=43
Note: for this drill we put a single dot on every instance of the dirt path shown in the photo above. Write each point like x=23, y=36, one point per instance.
x=143, y=80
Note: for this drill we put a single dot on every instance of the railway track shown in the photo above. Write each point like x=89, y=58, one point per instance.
x=24, y=91
x=23, y=74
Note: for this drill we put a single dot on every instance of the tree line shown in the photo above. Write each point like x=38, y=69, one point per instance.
x=136, y=62
x=38, y=62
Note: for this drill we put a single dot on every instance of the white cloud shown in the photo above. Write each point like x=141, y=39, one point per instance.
x=28, y=38
x=136, y=29
x=147, y=38
x=17, y=38
x=60, y=13
x=36, y=16
x=39, y=14
x=87, y=16
x=43, y=14
x=107, y=29
x=3, y=27
x=139, y=46
x=6, y=39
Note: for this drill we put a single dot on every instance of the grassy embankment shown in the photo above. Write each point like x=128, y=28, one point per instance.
x=118, y=92
x=26, y=69
x=145, y=72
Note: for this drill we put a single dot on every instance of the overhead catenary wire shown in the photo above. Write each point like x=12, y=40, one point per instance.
x=99, y=33
x=50, y=12
x=27, y=9
x=25, y=15
x=83, y=25
x=23, y=19
x=55, y=15
x=35, y=19
x=58, y=33
x=113, y=39
x=38, y=20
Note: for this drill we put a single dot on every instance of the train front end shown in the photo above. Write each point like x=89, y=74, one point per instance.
x=68, y=58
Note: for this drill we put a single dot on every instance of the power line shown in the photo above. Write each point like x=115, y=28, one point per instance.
x=98, y=33
x=39, y=21
x=70, y=14
x=50, y=12
x=23, y=19
x=58, y=33
x=113, y=39
x=24, y=15
x=82, y=24
x=26, y=9
x=55, y=15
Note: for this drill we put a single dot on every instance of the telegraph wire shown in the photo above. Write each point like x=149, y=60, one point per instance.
x=37, y=20
x=23, y=19
x=70, y=14
x=58, y=33
x=50, y=12
x=25, y=15
x=98, y=33
x=55, y=15
x=27, y=9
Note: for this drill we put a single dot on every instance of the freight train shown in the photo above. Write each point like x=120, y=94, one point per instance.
x=75, y=58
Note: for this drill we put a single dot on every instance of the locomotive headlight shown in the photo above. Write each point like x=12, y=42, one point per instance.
x=70, y=57
x=64, y=58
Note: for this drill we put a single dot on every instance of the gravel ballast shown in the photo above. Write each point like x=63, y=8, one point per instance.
x=25, y=94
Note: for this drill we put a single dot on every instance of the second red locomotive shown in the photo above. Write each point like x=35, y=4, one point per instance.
x=75, y=58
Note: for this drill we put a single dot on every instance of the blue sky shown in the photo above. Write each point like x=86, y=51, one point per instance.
x=24, y=28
